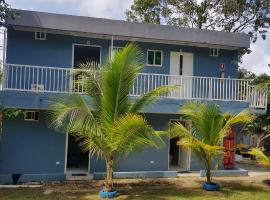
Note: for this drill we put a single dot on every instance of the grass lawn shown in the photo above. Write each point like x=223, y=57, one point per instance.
x=169, y=189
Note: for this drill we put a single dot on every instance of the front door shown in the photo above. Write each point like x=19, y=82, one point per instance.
x=179, y=158
x=77, y=160
x=181, y=67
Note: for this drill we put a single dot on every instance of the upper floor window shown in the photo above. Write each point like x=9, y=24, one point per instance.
x=154, y=57
x=214, y=52
x=40, y=36
x=114, y=51
x=31, y=116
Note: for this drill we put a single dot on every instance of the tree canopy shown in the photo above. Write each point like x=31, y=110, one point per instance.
x=5, y=12
x=248, y=16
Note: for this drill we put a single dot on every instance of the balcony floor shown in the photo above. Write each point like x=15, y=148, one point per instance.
x=41, y=101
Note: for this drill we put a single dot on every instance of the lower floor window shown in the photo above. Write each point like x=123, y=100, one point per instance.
x=31, y=115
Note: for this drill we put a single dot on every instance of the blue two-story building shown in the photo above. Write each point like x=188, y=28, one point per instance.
x=41, y=54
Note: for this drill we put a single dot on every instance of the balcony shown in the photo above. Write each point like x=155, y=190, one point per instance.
x=63, y=80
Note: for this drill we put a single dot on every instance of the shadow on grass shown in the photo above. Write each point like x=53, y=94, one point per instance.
x=165, y=192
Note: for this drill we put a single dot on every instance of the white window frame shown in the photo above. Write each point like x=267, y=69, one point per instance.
x=40, y=33
x=33, y=115
x=215, y=52
x=154, y=58
x=114, y=47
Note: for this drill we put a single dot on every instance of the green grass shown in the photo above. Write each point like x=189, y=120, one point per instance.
x=144, y=192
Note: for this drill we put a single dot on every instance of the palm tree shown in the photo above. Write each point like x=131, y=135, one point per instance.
x=263, y=159
x=209, y=127
x=105, y=120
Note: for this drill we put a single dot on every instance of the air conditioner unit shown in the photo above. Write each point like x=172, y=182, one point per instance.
x=37, y=87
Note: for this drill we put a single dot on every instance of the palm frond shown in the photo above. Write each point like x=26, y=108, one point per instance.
x=118, y=80
x=262, y=158
x=244, y=117
x=70, y=113
x=149, y=98
x=89, y=81
x=132, y=133
x=188, y=140
x=206, y=120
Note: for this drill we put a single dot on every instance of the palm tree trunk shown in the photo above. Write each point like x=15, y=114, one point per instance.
x=208, y=175
x=108, y=184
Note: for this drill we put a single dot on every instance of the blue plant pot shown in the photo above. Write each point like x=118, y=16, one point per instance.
x=211, y=186
x=104, y=194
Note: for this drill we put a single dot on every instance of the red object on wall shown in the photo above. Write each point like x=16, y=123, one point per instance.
x=228, y=143
x=222, y=67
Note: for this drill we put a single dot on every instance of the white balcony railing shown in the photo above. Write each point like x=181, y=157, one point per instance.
x=62, y=80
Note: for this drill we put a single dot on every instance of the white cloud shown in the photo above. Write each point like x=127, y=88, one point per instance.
x=259, y=59
x=105, y=8
x=114, y=9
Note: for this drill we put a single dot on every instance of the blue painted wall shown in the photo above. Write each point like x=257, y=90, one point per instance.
x=151, y=159
x=56, y=51
x=29, y=147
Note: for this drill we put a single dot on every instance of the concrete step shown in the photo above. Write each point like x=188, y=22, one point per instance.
x=79, y=176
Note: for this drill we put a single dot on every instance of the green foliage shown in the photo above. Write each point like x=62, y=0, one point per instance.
x=6, y=12
x=145, y=11
x=250, y=16
x=245, y=74
x=105, y=120
x=263, y=159
x=12, y=113
x=209, y=127
x=261, y=81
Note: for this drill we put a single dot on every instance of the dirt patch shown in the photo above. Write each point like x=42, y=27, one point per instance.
x=125, y=184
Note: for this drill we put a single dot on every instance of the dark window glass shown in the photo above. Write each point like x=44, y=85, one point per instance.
x=181, y=65
x=36, y=117
x=158, y=58
x=150, y=57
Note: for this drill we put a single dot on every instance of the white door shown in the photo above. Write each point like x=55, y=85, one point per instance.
x=181, y=66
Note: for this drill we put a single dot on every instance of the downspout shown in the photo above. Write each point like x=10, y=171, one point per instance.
x=4, y=46
x=4, y=59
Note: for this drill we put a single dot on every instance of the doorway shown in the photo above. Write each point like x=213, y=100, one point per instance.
x=86, y=53
x=77, y=160
x=181, y=64
x=179, y=157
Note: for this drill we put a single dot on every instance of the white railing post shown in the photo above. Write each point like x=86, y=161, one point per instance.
x=71, y=77
x=247, y=91
x=210, y=88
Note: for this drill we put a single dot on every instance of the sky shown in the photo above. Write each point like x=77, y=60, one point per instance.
x=256, y=62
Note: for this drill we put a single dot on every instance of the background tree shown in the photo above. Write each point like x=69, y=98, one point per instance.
x=5, y=12
x=243, y=73
x=260, y=127
x=248, y=16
